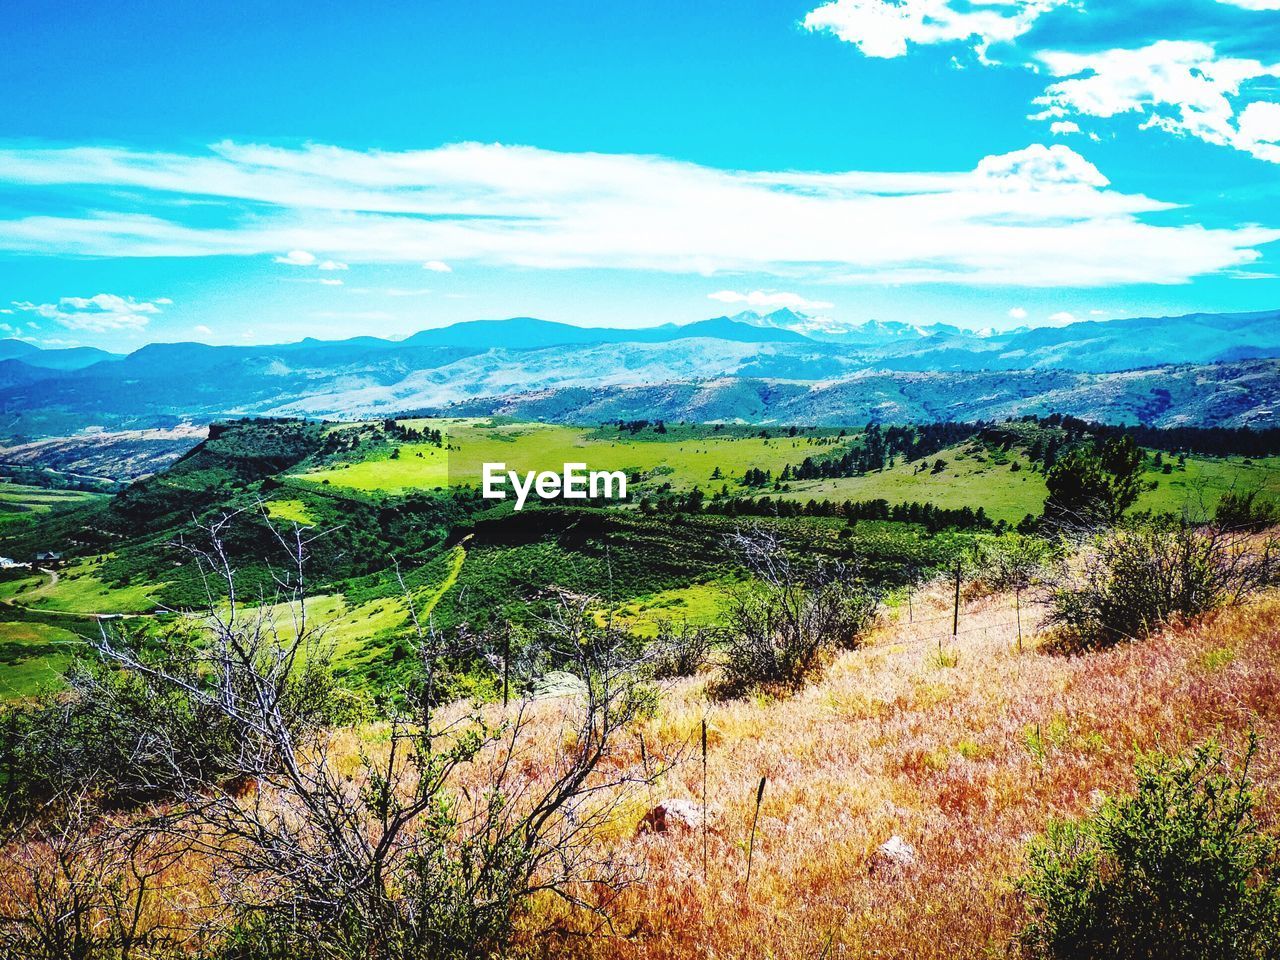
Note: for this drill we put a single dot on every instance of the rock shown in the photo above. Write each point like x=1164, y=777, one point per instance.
x=672, y=814
x=894, y=854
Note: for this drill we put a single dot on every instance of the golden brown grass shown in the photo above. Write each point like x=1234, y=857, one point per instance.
x=964, y=761
x=964, y=755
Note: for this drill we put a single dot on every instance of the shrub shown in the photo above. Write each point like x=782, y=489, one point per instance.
x=79, y=889
x=680, y=650
x=1246, y=511
x=1181, y=870
x=779, y=628
x=1012, y=561
x=121, y=737
x=1127, y=582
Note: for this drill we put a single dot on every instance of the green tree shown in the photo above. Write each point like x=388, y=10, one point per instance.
x=1092, y=488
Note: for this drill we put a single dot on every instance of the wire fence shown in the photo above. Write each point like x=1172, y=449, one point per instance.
x=934, y=639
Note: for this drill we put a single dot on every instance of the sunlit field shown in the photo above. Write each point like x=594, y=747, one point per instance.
x=685, y=457
x=964, y=757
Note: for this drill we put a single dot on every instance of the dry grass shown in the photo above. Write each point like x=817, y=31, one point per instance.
x=964, y=755
x=964, y=761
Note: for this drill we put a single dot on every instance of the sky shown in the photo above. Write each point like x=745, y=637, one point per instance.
x=262, y=172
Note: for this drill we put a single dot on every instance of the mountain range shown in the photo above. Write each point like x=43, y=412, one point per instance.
x=1220, y=365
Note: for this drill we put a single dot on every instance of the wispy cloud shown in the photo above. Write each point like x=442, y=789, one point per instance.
x=97, y=314
x=772, y=300
x=885, y=28
x=437, y=266
x=1041, y=216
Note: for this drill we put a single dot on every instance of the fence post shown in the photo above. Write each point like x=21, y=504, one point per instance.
x=704, y=799
x=955, y=617
x=1017, y=606
x=751, y=847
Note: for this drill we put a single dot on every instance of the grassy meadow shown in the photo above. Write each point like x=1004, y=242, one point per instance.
x=684, y=456
x=19, y=501
x=33, y=656
x=77, y=588
x=689, y=457
x=964, y=757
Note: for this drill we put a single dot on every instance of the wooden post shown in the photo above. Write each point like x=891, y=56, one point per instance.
x=955, y=619
x=751, y=847
x=704, y=799
x=1017, y=606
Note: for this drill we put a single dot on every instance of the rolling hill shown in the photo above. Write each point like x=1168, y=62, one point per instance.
x=1224, y=394
x=1213, y=369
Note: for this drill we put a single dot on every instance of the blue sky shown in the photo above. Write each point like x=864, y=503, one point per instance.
x=261, y=172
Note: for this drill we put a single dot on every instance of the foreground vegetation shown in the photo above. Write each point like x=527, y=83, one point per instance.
x=298, y=714
x=178, y=813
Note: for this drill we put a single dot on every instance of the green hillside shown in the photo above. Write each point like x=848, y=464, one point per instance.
x=393, y=516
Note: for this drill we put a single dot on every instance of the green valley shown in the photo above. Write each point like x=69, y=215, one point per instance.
x=393, y=522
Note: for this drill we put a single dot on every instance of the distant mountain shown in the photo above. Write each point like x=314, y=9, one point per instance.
x=527, y=333
x=69, y=358
x=1090, y=345
x=41, y=392
x=1222, y=394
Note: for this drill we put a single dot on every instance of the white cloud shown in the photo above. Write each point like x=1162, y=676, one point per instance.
x=98, y=314
x=1259, y=122
x=437, y=266
x=1254, y=4
x=1062, y=318
x=1041, y=216
x=1064, y=127
x=298, y=258
x=884, y=28
x=1038, y=167
x=1018, y=313
x=333, y=265
x=201, y=329
x=1179, y=86
x=759, y=299
x=331, y=281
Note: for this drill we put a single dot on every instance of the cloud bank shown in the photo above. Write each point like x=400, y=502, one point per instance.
x=1043, y=216
x=97, y=314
